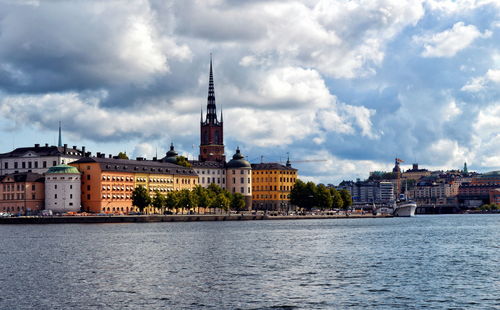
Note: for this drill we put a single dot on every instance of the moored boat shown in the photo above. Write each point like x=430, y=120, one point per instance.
x=405, y=209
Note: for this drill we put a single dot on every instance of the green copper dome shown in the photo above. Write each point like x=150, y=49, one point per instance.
x=63, y=169
x=238, y=161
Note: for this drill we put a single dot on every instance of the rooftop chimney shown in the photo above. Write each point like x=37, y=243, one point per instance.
x=110, y=156
x=415, y=166
x=65, y=148
x=74, y=147
x=37, y=145
x=46, y=145
x=83, y=150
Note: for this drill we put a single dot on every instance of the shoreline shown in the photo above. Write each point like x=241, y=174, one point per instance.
x=96, y=219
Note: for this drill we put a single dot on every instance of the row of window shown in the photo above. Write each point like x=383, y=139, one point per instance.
x=208, y=171
x=281, y=196
x=29, y=164
x=242, y=190
x=18, y=187
x=212, y=180
x=272, y=172
x=269, y=179
x=270, y=188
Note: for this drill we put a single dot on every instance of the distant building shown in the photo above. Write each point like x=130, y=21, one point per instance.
x=477, y=191
x=239, y=177
x=415, y=173
x=22, y=192
x=108, y=183
x=272, y=183
x=363, y=192
x=62, y=189
x=38, y=159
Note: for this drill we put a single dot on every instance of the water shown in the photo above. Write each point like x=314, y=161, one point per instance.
x=431, y=262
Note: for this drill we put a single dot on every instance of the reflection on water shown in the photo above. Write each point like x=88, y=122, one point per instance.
x=432, y=262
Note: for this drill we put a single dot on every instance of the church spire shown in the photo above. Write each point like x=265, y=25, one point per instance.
x=60, y=136
x=211, y=109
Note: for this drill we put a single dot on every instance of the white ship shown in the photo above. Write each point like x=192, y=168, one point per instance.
x=406, y=208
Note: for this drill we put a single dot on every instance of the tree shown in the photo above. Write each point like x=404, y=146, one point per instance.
x=338, y=203
x=202, y=197
x=140, y=198
x=221, y=201
x=182, y=161
x=238, y=202
x=297, y=194
x=172, y=201
x=186, y=200
x=310, y=195
x=122, y=155
x=158, y=201
x=323, y=197
x=346, y=198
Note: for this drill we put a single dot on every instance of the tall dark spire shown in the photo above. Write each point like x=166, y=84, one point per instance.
x=60, y=136
x=211, y=109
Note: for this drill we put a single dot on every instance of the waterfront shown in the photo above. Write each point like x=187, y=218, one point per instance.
x=432, y=262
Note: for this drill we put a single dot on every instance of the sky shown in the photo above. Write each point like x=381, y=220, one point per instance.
x=343, y=87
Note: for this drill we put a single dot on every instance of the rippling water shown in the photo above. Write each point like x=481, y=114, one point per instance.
x=431, y=262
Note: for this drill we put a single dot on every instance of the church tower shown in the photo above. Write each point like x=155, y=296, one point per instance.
x=211, y=129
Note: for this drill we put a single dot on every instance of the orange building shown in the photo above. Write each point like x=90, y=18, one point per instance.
x=22, y=192
x=271, y=186
x=108, y=183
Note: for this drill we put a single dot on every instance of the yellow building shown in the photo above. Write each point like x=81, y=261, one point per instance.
x=108, y=183
x=271, y=186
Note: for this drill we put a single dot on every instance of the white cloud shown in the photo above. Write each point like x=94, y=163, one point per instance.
x=477, y=84
x=449, y=42
x=459, y=6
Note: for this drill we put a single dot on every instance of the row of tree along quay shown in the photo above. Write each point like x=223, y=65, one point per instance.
x=309, y=196
x=213, y=198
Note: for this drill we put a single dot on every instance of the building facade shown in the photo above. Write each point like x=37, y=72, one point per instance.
x=22, y=193
x=108, y=183
x=271, y=186
x=38, y=159
x=62, y=189
x=239, y=177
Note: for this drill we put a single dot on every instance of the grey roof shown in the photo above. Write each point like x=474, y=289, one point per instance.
x=137, y=166
x=238, y=161
x=271, y=166
x=25, y=177
x=207, y=164
x=43, y=151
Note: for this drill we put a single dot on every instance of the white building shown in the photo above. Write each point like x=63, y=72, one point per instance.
x=38, y=159
x=239, y=177
x=62, y=189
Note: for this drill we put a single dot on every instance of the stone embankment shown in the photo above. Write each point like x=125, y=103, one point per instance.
x=165, y=218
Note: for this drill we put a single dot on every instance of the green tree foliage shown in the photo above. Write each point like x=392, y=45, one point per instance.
x=183, y=161
x=172, y=200
x=186, y=199
x=346, y=198
x=381, y=175
x=323, y=197
x=221, y=201
x=158, y=201
x=203, y=198
x=122, y=155
x=337, y=199
x=238, y=202
x=297, y=194
x=140, y=198
x=310, y=195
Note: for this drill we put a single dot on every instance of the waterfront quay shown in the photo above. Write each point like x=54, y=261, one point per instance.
x=93, y=219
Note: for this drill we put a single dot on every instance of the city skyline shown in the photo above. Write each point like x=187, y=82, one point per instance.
x=355, y=85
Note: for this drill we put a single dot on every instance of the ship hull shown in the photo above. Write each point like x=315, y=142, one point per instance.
x=405, y=210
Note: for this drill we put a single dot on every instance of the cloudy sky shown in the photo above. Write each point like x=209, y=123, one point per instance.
x=354, y=83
